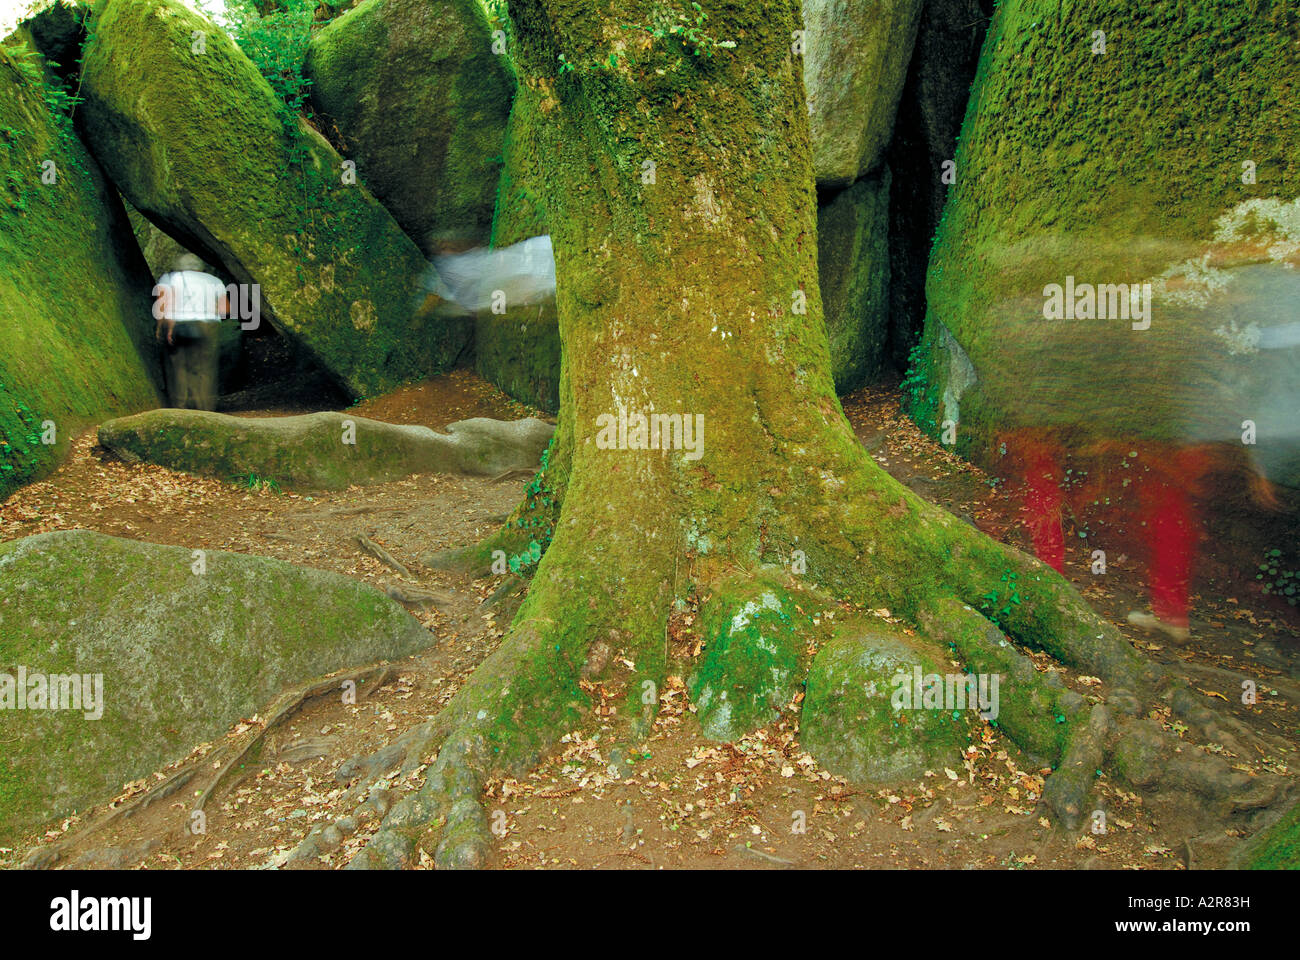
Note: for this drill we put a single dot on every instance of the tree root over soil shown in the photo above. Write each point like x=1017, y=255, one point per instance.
x=591, y=631
x=229, y=758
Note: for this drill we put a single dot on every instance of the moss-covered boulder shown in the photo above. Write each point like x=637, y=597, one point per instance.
x=856, y=719
x=853, y=265
x=195, y=138
x=74, y=292
x=1276, y=847
x=177, y=647
x=751, y=664
x=325, y=451
x=420, y=101
x=1118, y=251
x=855, y=63
x=519, y=350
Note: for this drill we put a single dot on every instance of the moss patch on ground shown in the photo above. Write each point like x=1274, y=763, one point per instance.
x=753, y=658
x=1277, y=847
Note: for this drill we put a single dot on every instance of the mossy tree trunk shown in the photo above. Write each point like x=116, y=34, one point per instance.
x=695, y=292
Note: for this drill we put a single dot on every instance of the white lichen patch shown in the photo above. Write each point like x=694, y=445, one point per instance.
x=1267, y=222
x=1275, y=220
x=363, y=314
x=742, y=619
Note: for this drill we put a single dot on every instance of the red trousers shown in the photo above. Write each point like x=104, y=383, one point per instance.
x=1166, y=510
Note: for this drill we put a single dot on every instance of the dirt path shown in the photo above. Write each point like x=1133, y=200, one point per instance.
x=683, y=801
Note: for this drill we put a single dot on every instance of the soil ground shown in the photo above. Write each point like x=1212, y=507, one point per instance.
x=688, y=802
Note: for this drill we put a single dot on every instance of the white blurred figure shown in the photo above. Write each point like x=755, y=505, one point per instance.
x=189, y=307
x=512, y=276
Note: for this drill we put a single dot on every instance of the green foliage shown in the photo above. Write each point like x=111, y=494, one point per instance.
x=276, y=43
x=538, y=515
x=252, y=481
x=686, y=29
x=20, y=449
x=683, y=33
x=498, y=16
x=17, y=185
x=995, y=607
x=527, y=558
x=919, y=396
x=59, y=100
x=1277, y=581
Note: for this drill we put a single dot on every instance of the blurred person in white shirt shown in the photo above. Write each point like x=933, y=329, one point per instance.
x=189, y=308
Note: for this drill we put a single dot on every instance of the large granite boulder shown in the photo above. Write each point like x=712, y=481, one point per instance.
x=168, y=649
x=74, y=292
x=1116, y=262
x=855, y=63
x=420, y=101
x=196, y=139
x=853, y=265
x=327, y=451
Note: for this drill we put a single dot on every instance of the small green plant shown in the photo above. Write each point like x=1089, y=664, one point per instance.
x=21, y=451
x=538, y=517
x=62, y=104
x=521, y=561
x=497, y=12
x=687, y=28
x=1278, y=576
x=251, y=481
x=918, y=402
x=994, y=607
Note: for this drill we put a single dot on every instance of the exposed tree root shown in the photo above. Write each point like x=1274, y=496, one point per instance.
x=368, y=679
x=416, y=596
x=761, y=637
x=383, y=556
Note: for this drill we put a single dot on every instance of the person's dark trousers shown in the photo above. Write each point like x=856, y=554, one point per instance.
x=192, y=366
